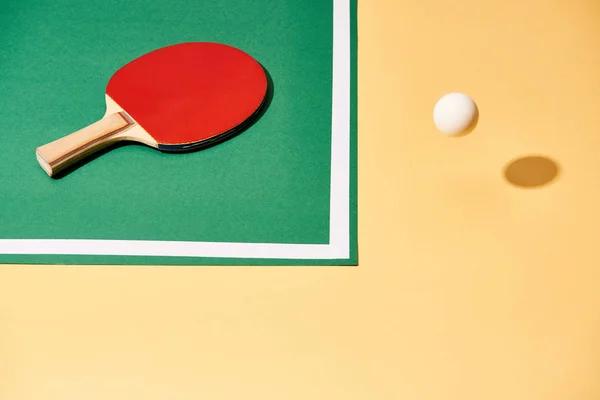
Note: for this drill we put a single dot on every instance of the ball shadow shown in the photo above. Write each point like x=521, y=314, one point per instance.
x=217, y=140
x=531, y=171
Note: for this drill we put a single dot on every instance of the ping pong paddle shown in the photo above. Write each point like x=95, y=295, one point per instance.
x=177, y=98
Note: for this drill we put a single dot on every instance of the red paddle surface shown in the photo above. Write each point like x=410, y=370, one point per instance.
x=189, y=92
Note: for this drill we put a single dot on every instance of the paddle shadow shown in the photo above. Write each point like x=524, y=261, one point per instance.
x=219, y=139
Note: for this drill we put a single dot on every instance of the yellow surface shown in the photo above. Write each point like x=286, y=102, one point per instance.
x=469, y=287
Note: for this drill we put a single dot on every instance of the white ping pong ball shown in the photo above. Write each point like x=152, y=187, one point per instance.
x=455, y=114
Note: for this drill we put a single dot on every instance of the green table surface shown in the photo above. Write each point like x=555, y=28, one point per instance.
x=270, y=185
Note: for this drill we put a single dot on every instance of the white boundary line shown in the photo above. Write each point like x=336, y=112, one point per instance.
x=339, y=238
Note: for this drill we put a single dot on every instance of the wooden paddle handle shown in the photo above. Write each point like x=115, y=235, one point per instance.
x=55, y=156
